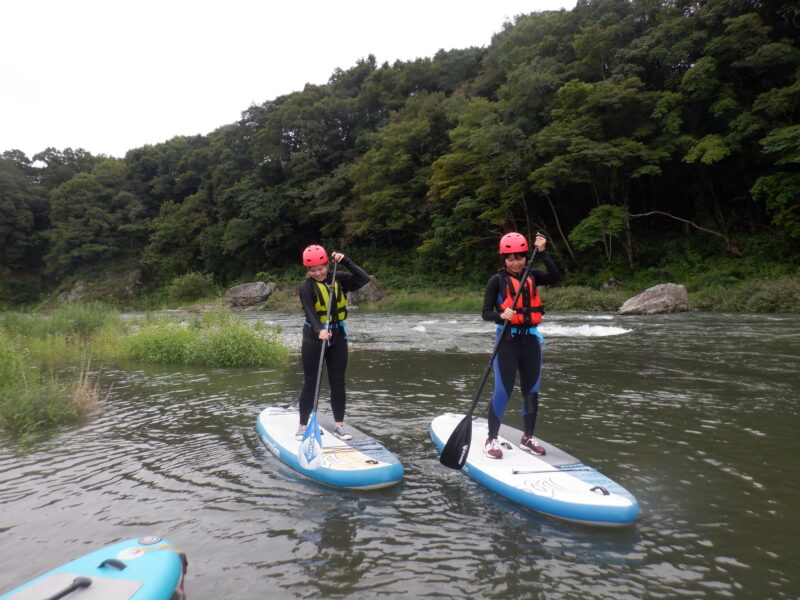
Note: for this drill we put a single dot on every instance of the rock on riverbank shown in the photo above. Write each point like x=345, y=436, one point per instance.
x=662, y=298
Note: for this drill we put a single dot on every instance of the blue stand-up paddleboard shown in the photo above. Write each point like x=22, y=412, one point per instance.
x=147, y=568
x=556, y=484
x=361, y=463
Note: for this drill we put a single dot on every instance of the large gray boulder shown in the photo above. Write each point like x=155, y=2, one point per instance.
x=249, y=294
x=662, y=298
x=371, y=292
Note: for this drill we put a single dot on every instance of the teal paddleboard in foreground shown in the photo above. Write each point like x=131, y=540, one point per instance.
x=556, y=484
x=361, y=463
x=147, y=568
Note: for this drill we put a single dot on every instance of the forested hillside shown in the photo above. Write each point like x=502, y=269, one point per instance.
x=622, y=129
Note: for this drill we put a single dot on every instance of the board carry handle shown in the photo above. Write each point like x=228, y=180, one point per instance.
x=113, y=562
x=78, y=583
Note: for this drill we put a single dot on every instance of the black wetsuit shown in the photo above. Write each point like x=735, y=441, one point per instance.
x=336, y=351
x=520, y=350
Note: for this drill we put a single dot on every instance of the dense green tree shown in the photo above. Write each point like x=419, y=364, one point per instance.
x=680, y=114
x=23, y=213
x=390, y=179
x=95, y=221
x=603, y=223
x=175, y=242
x=780, y=191
x=59, y=166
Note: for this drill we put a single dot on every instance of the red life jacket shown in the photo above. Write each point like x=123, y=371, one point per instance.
x=529, y=298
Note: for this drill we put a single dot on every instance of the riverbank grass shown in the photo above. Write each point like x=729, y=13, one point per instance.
x=33, y=398
x=216, y=339
x=40, y=384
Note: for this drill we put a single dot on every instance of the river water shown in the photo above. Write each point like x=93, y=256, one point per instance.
x=697, y=415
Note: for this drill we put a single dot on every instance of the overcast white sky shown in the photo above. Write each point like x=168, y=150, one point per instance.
x=112, y=75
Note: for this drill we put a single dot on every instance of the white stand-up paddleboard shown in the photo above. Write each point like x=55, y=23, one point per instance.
x=147, y=568
x=361, y=463
x=556, y=484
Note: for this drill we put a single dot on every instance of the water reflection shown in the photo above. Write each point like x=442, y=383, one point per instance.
x=695, y=414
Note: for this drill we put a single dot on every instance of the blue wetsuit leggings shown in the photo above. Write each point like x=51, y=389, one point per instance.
x=523, y=353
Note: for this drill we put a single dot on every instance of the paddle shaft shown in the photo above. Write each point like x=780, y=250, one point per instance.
x=325, y=342
x=501, y=336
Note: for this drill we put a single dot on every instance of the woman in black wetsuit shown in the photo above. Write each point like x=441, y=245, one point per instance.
x=521, y=349
x=314, y=295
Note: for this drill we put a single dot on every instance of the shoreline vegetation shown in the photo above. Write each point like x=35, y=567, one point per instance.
x=46, y=356
x=46, y=373
x=779, y=295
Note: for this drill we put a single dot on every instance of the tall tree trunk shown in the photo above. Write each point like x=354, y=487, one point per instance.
x=715, y=201
x=629, y=243
x=560, y=230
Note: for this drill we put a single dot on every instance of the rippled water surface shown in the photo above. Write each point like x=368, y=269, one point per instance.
x=695, y=414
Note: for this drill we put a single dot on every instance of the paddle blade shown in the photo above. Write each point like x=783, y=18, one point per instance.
x=310, y=453
x=455, y=451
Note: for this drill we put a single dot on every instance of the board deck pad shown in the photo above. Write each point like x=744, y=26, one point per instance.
x=557, y=484
x=153, y=570
x=102, y=588
x=359, y=463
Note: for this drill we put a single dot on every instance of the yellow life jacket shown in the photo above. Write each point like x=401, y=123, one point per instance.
x=339, y=308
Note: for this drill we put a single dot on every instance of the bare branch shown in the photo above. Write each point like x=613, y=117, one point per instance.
x=728, y=244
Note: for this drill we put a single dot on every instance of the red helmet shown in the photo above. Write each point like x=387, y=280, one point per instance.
x=314, y=255
x=513, y=243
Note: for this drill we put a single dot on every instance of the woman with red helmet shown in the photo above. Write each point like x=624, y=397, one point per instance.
x=314, y=296
x=521, y=349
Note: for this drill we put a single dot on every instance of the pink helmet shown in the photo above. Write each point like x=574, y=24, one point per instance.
x=314, y=256
x=513, y=243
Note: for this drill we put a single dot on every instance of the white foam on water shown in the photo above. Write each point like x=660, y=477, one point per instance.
x=420, y=328
x=582, y=330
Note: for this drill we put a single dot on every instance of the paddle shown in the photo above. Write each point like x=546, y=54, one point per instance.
x=309, y=455
x=455, y=451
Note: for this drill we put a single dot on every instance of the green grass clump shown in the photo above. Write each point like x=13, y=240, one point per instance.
x=64, y=335
x=215, y=340
x=79, y=320
x=431, y=300
x=558, y=298
x=583, y=298
x=29, y=400
x=190, y=287
x=763, y=296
